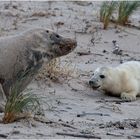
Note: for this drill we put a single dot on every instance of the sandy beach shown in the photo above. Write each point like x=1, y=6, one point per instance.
x=71, y=108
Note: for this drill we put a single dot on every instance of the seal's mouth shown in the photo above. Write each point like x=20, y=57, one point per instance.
x=96, y=87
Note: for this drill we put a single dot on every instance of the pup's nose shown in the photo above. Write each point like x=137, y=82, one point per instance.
x=91, y=82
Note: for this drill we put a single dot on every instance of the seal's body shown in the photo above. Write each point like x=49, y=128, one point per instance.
x=123, y=80
x=24, y=54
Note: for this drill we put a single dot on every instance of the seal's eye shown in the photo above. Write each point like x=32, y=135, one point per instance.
x=57, y=36
x=47, y=31
x=102, y=76
x=93, y=74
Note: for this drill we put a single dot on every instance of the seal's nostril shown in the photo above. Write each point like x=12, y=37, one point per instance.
x=91, y=82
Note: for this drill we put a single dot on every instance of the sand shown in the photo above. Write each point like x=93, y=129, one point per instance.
x=71, y=106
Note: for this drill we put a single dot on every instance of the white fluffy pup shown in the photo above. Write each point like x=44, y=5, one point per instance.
x=123, y=80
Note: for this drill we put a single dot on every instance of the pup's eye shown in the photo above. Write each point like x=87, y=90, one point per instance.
x=47, y=31
x=102, y=76
x=57, y=36
x=92, y=74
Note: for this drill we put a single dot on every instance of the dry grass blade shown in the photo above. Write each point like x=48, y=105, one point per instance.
x=106, y=11
x=126, y=9
x=20, y=105
x=57, y=71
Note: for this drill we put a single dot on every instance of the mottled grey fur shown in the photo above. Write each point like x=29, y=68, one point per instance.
x=25, y=53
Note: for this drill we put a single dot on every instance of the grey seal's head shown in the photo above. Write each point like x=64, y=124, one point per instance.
x=48, y=43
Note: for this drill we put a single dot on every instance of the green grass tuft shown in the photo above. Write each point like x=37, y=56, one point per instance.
x=20, y=104
x=126, y=9
x=106, y=11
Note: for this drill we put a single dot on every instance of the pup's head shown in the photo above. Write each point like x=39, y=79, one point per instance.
x=51, y=44
x=100, y=78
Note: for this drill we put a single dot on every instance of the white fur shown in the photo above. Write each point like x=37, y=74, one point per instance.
x=123, y=80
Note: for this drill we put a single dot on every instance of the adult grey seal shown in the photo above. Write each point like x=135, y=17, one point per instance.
x=25, y=54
